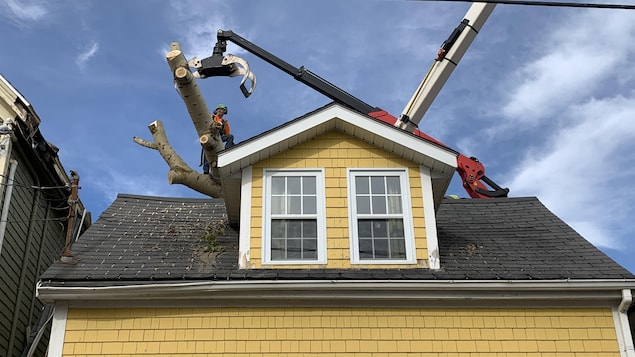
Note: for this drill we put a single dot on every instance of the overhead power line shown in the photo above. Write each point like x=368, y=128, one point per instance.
x=547, y=3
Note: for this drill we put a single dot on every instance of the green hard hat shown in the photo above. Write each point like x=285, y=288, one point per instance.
x=222, y=106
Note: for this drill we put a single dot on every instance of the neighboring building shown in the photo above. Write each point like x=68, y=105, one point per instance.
x=335, y=239
x=33, y=222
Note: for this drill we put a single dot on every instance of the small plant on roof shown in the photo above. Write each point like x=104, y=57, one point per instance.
x=212, y=231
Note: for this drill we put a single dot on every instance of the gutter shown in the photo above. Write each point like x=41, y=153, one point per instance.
x=605, y=292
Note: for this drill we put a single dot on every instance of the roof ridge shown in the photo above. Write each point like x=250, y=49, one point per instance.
x=167, y=198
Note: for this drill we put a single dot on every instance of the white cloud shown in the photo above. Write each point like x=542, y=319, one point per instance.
x=86, y=54
x=200, y=27
x=575, y=60
x=578, y=173
x=26, y=10
x=570, y=113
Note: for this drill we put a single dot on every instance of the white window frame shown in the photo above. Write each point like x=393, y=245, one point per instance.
x=320, y=215
x=406, y=215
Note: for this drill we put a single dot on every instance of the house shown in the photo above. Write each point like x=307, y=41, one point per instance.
x=335, y=239
x=33, y=221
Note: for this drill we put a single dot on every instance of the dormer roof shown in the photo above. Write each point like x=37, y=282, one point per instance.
x=439, y=159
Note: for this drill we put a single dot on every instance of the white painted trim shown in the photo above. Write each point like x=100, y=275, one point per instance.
x=58, y=330
x=406, y=200
x=337, y=112
x=430, y=218
x=622, y=328
x=320, y=215
x=11, y=100
x=244, y=243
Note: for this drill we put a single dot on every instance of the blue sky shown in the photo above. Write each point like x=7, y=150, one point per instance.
x=544, y=97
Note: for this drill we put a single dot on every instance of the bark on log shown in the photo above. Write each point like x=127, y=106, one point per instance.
x=180, y=172
x=208, y=133
x=196, y=106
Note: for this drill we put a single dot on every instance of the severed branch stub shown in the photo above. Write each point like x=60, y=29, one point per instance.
x=180, y=172
x=208, y=131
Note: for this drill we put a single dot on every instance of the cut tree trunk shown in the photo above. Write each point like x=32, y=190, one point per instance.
x=208, y=133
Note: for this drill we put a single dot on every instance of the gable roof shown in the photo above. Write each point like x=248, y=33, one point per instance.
x=439, y=159
x=146, y=239
x=335, y=116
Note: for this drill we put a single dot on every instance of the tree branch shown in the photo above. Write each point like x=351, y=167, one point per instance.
x=180, y=172
x=208, y=132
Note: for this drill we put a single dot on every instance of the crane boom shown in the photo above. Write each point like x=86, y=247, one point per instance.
x=472, y=171
x=447, y=59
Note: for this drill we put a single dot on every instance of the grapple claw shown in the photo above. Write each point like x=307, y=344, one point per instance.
x=240, y=67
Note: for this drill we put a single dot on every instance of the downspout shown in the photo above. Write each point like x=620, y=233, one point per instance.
x=7, y=201
x=81, y=223
x=625, y=337
x=67, y=255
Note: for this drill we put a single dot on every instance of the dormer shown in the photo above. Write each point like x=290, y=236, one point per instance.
x=336, y=189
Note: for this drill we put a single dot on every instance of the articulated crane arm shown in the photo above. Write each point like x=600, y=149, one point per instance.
x=471, y=171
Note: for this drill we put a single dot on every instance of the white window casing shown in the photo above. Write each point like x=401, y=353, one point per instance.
x=380, y=217
x=294, y=217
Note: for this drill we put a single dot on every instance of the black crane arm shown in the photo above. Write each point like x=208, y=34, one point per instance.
x=212, y=66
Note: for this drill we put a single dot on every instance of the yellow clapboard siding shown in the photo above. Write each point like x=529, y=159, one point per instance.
x=341, y=331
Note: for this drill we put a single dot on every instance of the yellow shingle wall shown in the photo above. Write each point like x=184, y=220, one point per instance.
x=358, y=332
x=335, y=152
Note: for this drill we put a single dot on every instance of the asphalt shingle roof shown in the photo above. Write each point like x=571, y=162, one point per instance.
x=142, y=238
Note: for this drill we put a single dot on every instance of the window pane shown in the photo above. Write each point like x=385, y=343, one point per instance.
x=377, y=184
x=363, y=204
x=277, y=205
x=394, y=204
x=309, y=229
x=361, y=184
x=294, y=249
x=294, y=205
x=293, y=185
x=309, y=205
x=278, y=228
x=309, y=250
x=397, y=249
x=308, y=185
x=277, y=185
x=379, y=204
x=395, y=228
x=381, y=248
x=393, y=185
x=364, y=229
x=277, y=249
x=365, y=248
x=380, y=228
x=294, y=229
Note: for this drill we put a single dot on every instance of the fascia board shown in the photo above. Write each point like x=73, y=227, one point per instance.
x=403, y=138
x=333, y=289
x=334, y=113
x=14, y=92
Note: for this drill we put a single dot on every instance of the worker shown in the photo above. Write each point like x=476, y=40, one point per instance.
x=225, y=133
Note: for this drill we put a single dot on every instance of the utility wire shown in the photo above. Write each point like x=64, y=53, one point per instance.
x=546, y=3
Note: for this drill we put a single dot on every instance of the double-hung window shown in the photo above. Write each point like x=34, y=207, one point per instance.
x=294, y=217
x=380, y=218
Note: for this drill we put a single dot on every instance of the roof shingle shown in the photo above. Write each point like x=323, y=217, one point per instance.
x=142, y=239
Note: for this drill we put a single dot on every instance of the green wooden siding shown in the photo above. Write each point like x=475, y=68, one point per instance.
x=34, y=238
